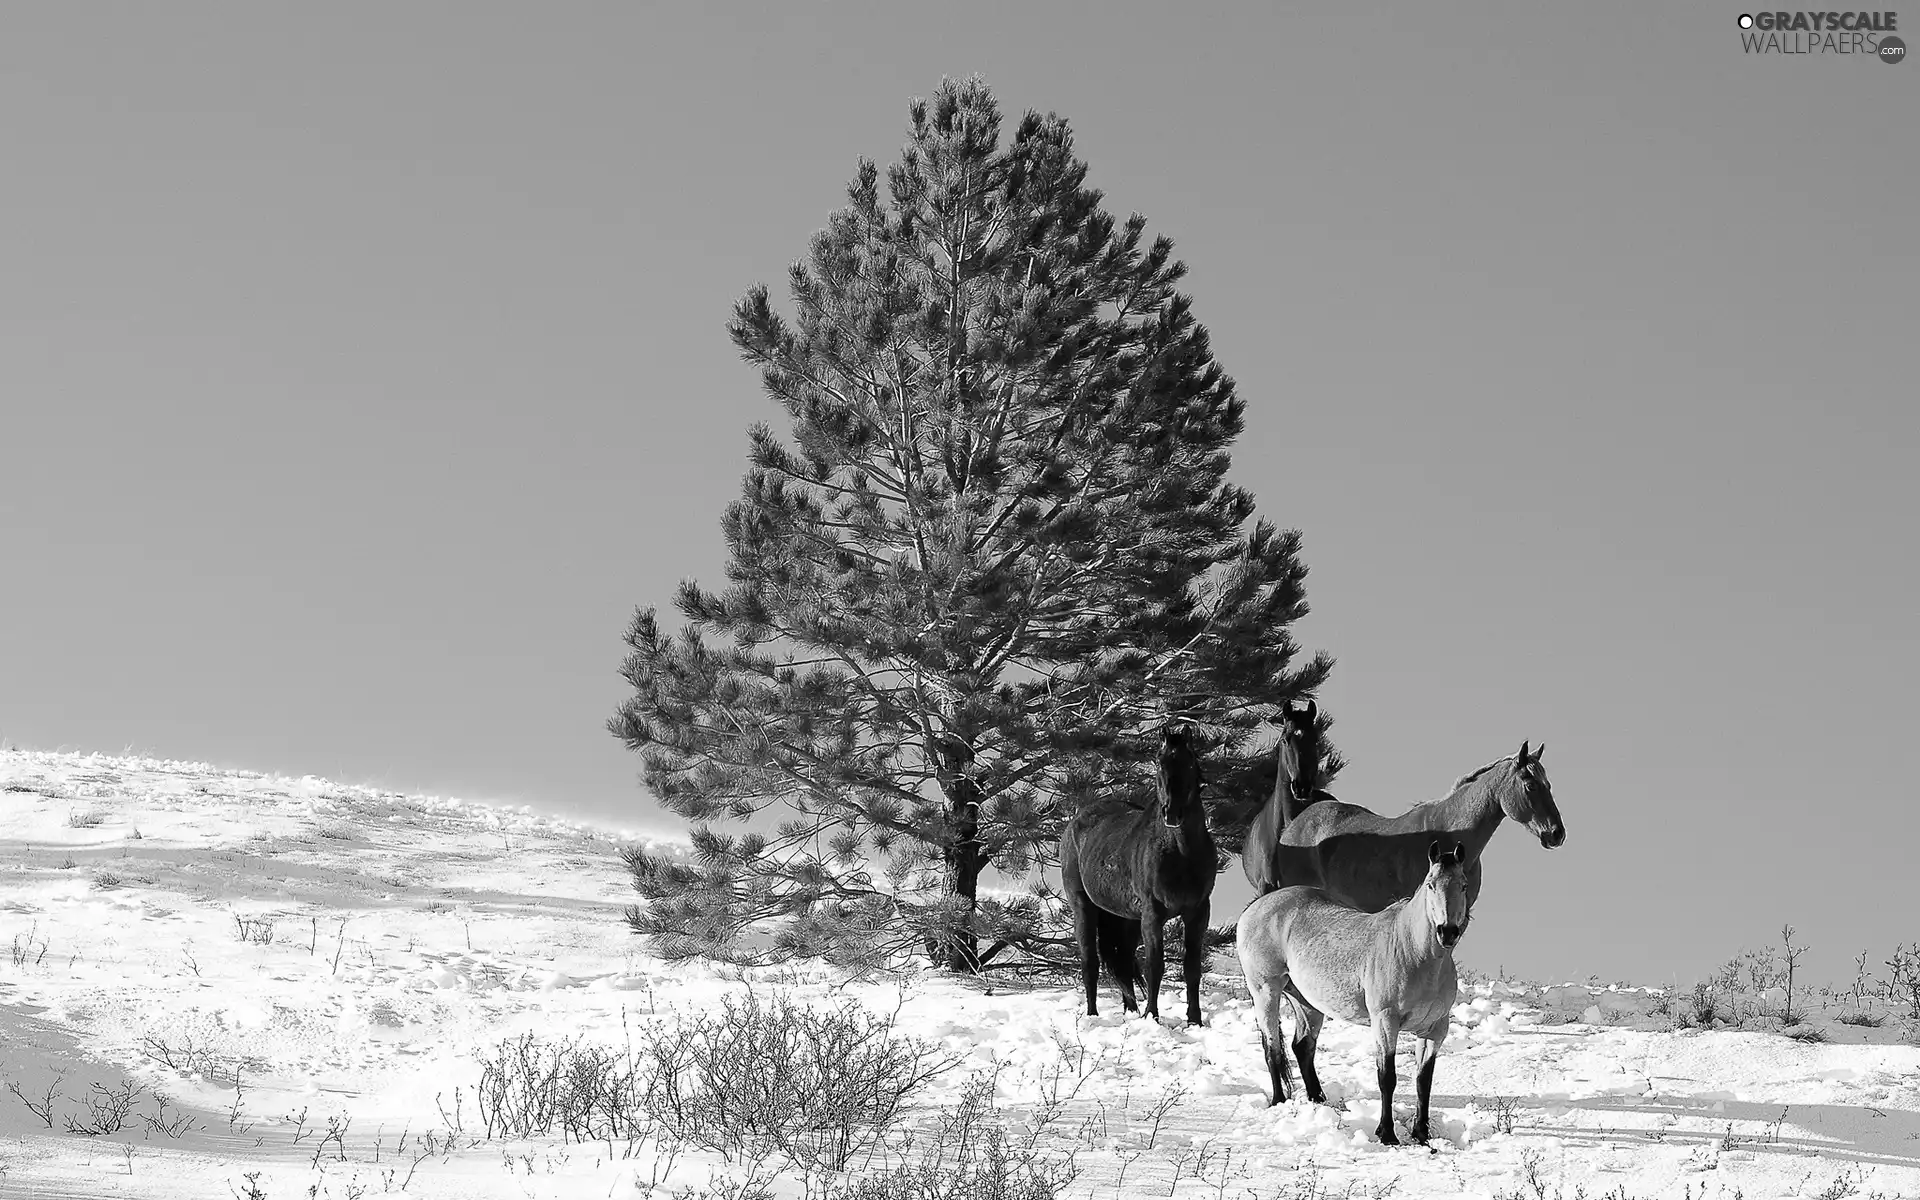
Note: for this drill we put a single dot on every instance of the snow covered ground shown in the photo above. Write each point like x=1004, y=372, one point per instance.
x=349, y=952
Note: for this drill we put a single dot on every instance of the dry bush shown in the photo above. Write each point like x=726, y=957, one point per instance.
x=534, y=1088
x=819, y=1087
x=85, y=818
x=1502, y=1109
x=971, y=1153
x=30, y=948
x=255, y=930
x=107, y=1109
x=1699, y=1008
x=1903, y=979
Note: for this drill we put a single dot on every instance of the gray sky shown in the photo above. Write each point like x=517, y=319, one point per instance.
x=362, y=368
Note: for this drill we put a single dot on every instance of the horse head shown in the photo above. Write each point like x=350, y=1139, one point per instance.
x=1528, y=798
x=1179, y=774
x=1445, y=891
x=1300, y=749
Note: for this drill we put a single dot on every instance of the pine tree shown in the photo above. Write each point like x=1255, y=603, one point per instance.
x=997, y=551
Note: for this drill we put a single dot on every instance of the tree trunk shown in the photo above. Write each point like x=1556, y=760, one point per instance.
x=963, y=856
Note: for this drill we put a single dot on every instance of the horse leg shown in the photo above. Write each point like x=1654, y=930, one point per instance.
x=1086, y=931
x=1268, y=996
x=1423, y=1083
x=1127, y=940
x=1306, y=1042
x=1195, y=922
x=1386, y=1038
x=1116, y=951
x=1153, y=930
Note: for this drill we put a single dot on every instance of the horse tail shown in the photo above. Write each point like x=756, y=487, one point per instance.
x=1283, y=1060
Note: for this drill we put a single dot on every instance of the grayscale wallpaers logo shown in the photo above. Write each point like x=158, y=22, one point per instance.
x=1862, y=34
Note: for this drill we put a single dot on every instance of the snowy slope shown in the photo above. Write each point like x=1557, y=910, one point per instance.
x=388, y=938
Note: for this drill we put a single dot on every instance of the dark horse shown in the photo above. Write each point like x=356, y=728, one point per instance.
x=1296, y=784
x=1127, y=870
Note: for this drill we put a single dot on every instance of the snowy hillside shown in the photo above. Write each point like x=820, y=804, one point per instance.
x=284, y=988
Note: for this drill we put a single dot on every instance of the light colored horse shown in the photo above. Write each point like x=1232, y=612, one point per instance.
x=1369, y=861
x=1391, y=969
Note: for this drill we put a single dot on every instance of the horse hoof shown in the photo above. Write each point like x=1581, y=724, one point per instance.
x=1387, y=1138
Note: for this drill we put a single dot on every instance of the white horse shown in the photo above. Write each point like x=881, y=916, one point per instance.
x=1391, y=969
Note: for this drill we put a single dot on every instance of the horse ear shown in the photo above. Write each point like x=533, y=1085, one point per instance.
x=1433, y=851
x=1538, y=751
x=1522, y=759
x=1313, y=711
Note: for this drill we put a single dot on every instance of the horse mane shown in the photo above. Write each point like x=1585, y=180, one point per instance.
x=1476, y=773
x=1463, y=781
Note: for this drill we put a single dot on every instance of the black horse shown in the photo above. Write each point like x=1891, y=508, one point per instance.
x=1296, y=785
x=1127, y=870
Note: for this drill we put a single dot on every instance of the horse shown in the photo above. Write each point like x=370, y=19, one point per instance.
x=1364, y=859
x=1391, y=969
x=1127, y=870
x=1296, y=784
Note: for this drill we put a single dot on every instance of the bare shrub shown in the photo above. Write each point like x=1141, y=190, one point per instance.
x=41, y=1103
x=255, y=930
x=107, y=1109
x=339, y=831
x=172, y=1125
x=1790, y=954
x=532, y=1088
x=819, y=1087
x=1903, y=979
x=972, y=1153
x=84, y=818
x=29, y=948
x=1867, y=1020
x=187, y=1054
x=1502, y=1109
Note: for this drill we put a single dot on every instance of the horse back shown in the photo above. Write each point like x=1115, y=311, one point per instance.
x=1324, y=946
x=1103, y=852
x=1329, y=817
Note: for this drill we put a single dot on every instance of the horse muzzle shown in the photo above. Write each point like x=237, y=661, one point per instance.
x=1450, y=934
x=1553, y=837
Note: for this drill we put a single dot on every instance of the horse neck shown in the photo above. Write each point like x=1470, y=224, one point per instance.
x=1190, y=838
x=1415, y=940
x=1473, y=812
